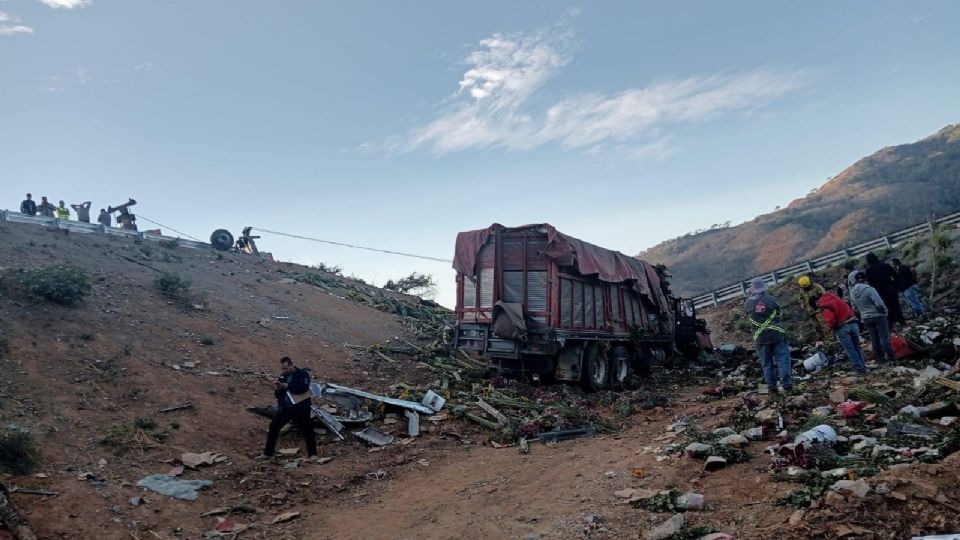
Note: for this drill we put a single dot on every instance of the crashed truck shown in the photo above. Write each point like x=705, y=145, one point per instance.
x=535, y=301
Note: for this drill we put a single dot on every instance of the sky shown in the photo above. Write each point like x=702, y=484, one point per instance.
x=397, y=124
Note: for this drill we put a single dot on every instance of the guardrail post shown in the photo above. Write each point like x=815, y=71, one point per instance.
x=773, y=275
x=743, y=289
x=886, y=240
x=713, y=296
x=809, y=266
x=3, y=215
x=930, y=226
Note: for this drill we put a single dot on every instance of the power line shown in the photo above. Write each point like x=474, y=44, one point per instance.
x=141, y=216
x=353, y=246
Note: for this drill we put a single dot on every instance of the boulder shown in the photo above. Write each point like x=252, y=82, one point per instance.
x=714, y=463
x=697, y=450
x=722, y=432
x=851, y=488
x=668, y=528
x=737, y=441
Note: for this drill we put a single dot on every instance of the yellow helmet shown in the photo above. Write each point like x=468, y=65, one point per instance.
x=804, y=281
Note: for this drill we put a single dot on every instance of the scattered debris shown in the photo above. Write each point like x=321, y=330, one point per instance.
x=194, y=461
x=284, y=517
x=374, y=436
x=172, y=487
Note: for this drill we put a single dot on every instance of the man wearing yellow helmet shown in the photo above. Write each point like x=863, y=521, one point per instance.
x=808, y=290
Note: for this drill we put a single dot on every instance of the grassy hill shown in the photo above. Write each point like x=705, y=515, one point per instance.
x=891, y=189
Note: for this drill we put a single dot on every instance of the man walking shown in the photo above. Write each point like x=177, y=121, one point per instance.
x=28, y=207
x=908, y=285
x=46, y=209
x=840, y=318
x=882, y=277
x=83, y=211
x=763, y=310
x=292, y=389
x=873, y=312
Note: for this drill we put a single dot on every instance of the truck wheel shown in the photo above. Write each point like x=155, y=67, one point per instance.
x=221, y=240
x=595, y=374
x=619, y=364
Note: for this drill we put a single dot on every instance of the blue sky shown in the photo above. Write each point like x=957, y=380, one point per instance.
x=398, y=124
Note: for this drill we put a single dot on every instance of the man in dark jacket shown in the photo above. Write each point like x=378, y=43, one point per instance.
x=46, y=208
x=764, y=312
x=841, y=319
x=882, y=277
x=908, y=286
x=292, y=389
x=28, y=207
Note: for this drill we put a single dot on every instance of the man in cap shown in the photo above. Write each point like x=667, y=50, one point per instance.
x=908, y=286
x=882, y=277
x=764, y=313
x=809, y=289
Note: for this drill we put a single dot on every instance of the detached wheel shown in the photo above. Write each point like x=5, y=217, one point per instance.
x=221, y=240
x=619, y=364
x=595, y=375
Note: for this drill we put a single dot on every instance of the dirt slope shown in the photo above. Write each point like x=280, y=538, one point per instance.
x=894, y=188
x=74, y=377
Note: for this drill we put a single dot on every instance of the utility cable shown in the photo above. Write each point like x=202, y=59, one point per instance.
x=353, y=246
x=141, y=216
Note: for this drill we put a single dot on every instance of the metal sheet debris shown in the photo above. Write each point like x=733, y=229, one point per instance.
x=374, y=436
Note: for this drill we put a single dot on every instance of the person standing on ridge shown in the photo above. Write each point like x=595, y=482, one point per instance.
x=908, y=286
x=83, y=211
x=764, y=312
x=104, y=218
x=28, y=207
x=45, y=208
x=882, y=277
x=873, y=312
x=840, y=318
x=62, y=211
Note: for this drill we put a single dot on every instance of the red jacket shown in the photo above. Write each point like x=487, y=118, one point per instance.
x=835, y=311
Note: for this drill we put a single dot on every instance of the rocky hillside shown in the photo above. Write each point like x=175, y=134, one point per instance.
x=891, y=189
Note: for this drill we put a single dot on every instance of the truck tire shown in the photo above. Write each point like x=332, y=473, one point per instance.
x=595, y=375
x=619, y=358
x=221, y=240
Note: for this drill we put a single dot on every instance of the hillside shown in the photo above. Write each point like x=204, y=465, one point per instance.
x=891, y=189
x=98, y=388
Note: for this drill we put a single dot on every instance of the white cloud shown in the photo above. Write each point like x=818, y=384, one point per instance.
x=493, y=107
x=52, y=84
x=66, y=4
x=9, y=25
x=146, y=66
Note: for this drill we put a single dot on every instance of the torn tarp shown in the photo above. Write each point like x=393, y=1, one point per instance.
x=608, y=265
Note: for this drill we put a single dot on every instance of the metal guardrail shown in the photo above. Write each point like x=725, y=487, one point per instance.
x=90, y=228
x=888, y=241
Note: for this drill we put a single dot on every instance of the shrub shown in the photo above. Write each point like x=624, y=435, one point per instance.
x=176, y=289
x=66, y=285
x=412, y=284
x=17, y=454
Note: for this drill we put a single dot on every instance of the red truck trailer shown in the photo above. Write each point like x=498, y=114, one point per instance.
x=533, y=300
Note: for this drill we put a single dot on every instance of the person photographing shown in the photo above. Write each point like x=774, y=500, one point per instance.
x=292, y=390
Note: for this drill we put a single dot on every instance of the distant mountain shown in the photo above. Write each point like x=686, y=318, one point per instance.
x=891, y=189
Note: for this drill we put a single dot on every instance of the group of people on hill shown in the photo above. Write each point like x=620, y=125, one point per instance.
x=47, y=209
x=873, y=302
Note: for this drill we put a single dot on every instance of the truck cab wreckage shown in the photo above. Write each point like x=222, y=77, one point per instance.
x=531, y=299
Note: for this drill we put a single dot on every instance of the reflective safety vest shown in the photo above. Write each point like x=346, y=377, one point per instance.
x=766, y=325
x=63, y=212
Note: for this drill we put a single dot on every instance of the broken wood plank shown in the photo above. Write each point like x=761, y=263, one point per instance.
x=20, y=529
x=178, y=407
x=385, y=357
x=31, y=491
x=412, y=345
x=492, y=411
x=951, y=384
